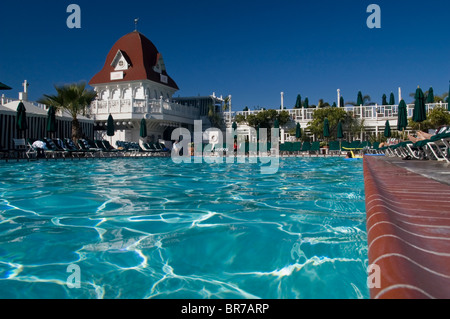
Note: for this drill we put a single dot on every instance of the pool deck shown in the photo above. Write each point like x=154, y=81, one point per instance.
x=408, y=227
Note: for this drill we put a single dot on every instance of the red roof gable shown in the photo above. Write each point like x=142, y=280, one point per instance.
x=143, y=56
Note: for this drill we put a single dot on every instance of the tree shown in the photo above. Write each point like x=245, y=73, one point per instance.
x=366, y=101
x=436, y=117
x=334, y=115
x=75, y=99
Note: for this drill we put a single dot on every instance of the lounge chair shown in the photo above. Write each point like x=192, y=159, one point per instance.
x=20, y=148
x=71, y=150
x=306, y=147
x=335, y=147
x=439, y=144
x=88, y=148
x=315, y=148
x=4, y=152
x=297, y=147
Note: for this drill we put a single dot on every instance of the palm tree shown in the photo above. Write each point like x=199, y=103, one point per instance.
x=366, y=101
x=75, y=99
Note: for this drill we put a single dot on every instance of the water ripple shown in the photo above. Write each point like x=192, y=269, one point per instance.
x=147, y=228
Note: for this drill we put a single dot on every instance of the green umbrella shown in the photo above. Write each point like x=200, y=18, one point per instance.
x=21, y=118
x=392, y=99
x=387, y=130
x=342, y=101
x=276, y=124
x=143, y=132
x=298, y=131
x=306, y=104
x=4, y=87
x=420, y=113
x=110, y=129
x=51, y=120
x=235, y=126
x=326, y=128
x=340, y=132
x=298, y=103
x=430, y=98
x=402, y=116
x=448, y=98
x=384, y=102
x=334, y=104
x=360, y=99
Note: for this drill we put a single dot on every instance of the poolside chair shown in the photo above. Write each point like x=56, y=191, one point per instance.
x=283, y=149
x=306, y=147
x=439, y=144
x=315, y=147
x=20, y=148
x=71, y=150
x=4, y=152
x=335, y=147
x=110, y=148
x=375, y=148
x=345, y=146
x=297, y=147
x=290, y=148
x=85, y=146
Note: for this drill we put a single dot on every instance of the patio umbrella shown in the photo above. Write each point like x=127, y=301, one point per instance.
x=360, y=99
x=143, y=132
x=326, y=128
x=340, y=131
x=387, y=130
x=334, y=104
x=298, y=103
x=384, y=100
x=392, y=99
x=4, y=87
x=340, y=134
x=110, y=128
x=51, y=120
x=306, y=104
x=21, y=118
x=276, y=124
x=448, y=98
x=342, y=101
x=402, y=116
x=298, y=131
x=420, y=113
x=430, y=98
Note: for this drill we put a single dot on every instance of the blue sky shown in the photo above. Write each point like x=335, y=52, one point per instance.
x=252, y=50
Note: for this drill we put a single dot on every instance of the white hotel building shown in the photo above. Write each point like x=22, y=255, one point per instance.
x=134, y=84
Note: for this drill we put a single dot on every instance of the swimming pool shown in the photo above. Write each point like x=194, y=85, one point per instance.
x=149, y=228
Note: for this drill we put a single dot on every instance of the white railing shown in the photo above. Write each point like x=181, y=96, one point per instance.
x=141, y=106
x=372, y=112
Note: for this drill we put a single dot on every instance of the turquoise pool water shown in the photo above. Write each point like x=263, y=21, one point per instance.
x=147, y=228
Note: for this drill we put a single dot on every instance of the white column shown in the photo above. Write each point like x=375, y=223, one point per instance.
x=399, y=95
x=282, y=100
x=339, y=98
x=229, y=101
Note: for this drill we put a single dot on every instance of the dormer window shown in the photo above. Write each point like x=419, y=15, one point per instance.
x=160, y=66
x=120, y=62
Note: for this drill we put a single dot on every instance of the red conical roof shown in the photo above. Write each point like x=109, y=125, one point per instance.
x=142, y=56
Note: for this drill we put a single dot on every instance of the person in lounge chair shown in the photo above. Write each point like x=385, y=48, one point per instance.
x=40, y=148
x=421, y=136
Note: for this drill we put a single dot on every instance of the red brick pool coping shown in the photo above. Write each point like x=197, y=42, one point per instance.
x=408, y=227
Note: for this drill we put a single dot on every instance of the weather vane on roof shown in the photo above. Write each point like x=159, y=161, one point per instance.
x=136, y=24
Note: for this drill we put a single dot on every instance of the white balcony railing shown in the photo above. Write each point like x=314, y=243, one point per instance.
x=372, y=112
x=137, y=106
